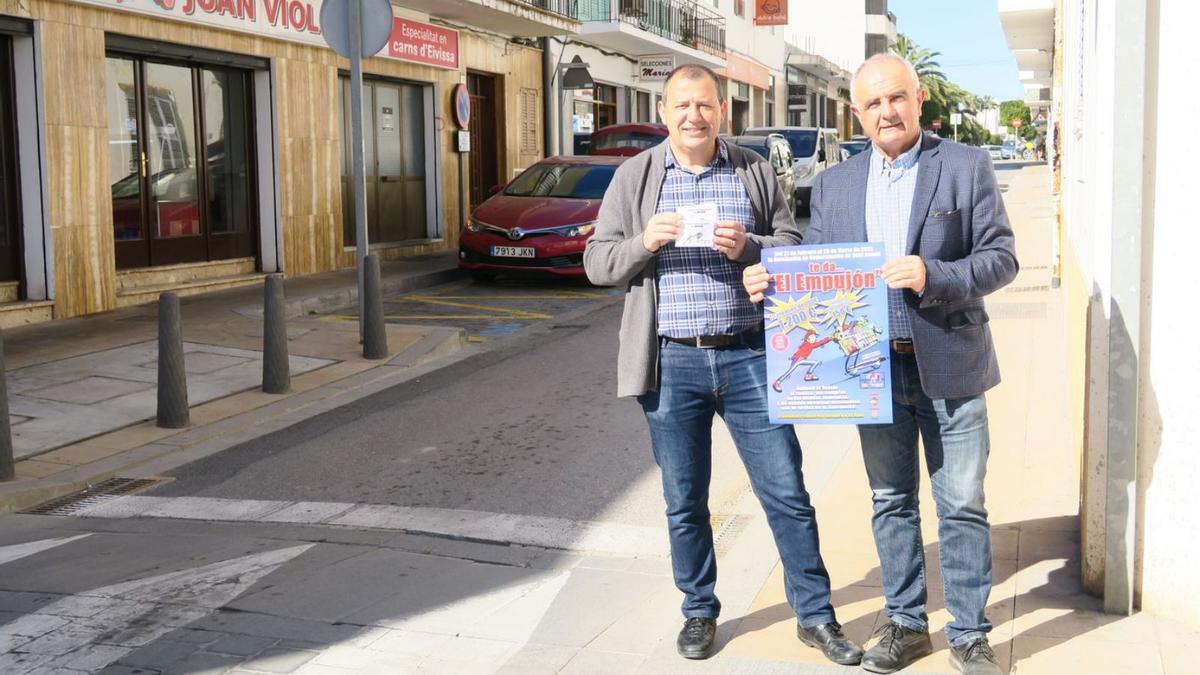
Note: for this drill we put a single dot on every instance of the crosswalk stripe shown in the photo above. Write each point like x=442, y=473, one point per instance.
x=99, y=626
x=482, y=526
x=17, y=551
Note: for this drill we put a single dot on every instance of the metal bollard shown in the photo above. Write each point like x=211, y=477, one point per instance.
x=7, y=467
x=276, y=374
x=172, y=377
x=374, y=332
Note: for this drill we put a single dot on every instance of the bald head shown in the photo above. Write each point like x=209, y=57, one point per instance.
x=886, y=62
x=887, y=98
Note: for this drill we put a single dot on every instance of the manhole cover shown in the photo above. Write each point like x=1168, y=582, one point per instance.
x=113, y=487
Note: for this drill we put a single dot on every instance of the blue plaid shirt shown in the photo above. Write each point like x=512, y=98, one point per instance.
x=700, y=289
x=890, y=191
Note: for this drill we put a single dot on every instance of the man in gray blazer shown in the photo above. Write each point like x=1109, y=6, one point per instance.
x=692, y=347
x=936, y=207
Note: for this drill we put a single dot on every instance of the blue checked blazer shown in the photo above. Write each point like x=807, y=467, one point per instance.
x=958, y=226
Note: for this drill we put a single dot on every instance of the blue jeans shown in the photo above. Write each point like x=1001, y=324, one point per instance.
x=731, y=382
x=955, y=433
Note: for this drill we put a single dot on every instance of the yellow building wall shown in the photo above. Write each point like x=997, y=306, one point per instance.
x=306, y=81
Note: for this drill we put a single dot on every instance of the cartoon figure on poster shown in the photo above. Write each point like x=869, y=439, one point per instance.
x=826, y=317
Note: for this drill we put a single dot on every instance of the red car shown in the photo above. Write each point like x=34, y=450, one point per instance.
x=627, y=139
x=540, y=221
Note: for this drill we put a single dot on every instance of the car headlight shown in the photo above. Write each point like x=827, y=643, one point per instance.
x=804, y=171
x=473, y=225
x=581, y=230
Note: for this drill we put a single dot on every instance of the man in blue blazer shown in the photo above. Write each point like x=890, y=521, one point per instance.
x=936, y=207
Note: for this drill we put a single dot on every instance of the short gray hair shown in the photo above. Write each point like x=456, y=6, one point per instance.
x=912, y=71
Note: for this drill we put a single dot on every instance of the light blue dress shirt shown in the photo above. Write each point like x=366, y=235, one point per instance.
x=890, y=190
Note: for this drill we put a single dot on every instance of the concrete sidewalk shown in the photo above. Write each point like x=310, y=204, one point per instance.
x=1043, y=621
x=82, y=392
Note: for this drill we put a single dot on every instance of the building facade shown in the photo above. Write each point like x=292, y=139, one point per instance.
x=1114, y=82
x=825, y=44
x=198, y=144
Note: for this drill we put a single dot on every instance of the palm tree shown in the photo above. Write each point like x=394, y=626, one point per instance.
x=929, y=72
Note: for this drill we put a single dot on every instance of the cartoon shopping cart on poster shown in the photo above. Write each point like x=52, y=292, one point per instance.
x=859, y=340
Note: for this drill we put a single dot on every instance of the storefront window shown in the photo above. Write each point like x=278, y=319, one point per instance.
x=605, y=105
x=168, y=205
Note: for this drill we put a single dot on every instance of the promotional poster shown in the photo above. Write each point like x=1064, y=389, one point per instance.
x=826, y=319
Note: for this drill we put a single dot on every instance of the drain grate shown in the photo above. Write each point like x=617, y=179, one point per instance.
x=71, y=504
x=726, y=529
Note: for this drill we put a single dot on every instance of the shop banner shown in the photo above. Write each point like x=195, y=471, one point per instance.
x=770, y=12
x=295, y=21
x=655, y=68
x=826, y=320
x=423, y=43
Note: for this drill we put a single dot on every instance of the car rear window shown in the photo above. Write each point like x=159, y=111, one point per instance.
x=624, y=139
x=568, y=181
x=804, y=143
x=760, y=149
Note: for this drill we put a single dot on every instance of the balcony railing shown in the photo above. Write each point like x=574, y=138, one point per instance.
x=680, y=21
x=567, y=8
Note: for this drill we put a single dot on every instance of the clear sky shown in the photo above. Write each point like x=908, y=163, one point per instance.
x=968, y=34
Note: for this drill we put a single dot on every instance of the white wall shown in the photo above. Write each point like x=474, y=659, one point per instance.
x=1169, y=382
x=835, y=30
x=1170, y=449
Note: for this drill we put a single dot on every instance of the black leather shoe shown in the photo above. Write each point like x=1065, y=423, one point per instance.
x=897, y=648
x=975, y=658
x=829, y=639
x=696, y=639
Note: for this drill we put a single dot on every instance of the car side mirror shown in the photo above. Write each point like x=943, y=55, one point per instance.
x=821, y=155
x=495, y=189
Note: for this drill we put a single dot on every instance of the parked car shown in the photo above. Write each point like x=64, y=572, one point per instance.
x=778, y=152
x=1008, y=149
x=993, y=151
x=813, y=151
x=539, y=222
x=626, y=140
x=855, y=146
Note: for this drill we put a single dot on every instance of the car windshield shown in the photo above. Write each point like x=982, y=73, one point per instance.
x=804, y=143
x=634, y=139
x=854, y=147
x=760, y=149
x=567, y=181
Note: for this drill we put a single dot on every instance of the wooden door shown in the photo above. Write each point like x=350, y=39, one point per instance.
x=484, y=156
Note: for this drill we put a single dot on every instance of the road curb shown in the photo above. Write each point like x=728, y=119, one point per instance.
x=441, y=344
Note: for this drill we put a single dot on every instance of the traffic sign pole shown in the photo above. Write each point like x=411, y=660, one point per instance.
x=356, y=30
x=357, y=159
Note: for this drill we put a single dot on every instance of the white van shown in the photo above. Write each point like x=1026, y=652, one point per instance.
x=813, y=150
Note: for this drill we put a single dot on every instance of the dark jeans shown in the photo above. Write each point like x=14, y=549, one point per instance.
x=955, y=433
x=731, y=382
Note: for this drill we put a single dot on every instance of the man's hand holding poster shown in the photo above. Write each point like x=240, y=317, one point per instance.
x=826, y=314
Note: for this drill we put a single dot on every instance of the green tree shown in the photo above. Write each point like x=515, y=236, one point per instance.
x=929, y=71
x=1017, y=110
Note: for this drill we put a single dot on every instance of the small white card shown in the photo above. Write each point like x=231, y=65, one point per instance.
x=698, y=225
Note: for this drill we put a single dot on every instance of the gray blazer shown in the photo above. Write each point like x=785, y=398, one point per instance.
x=959, y=228
x=615, y=255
